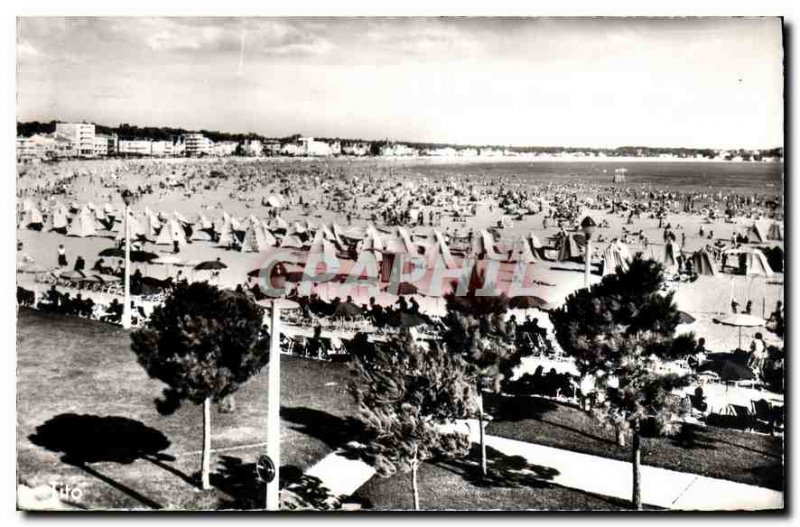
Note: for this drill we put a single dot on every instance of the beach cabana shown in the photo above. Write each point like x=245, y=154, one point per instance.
x=33, y=219
x=83, y=224
x=483, y=247
x=775, y=232
x=703, y=263
x=754, y=263
x=57, y=221
x=616, y=255
x=669, y=258
x=570, y=247
x=755, y=234
x=257, y=239
x=171, y=232
x=438, y=250
x=522, y=252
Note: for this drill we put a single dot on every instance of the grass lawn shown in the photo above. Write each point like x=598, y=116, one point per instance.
x=455, y=485
x=85, y=372
x=754, y=459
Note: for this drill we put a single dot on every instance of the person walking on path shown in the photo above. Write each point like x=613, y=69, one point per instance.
x=62, y=256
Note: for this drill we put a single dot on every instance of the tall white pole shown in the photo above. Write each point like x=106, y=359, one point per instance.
x=588, y=262
x=274, y=407
x=126, y=307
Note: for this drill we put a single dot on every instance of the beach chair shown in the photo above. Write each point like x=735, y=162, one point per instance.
x=744, y=419
x=763, y=414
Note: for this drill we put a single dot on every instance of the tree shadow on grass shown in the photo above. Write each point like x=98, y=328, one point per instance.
x=503, y=470
x=84, y=440
x=336, y=432
x=299, y=491
x=690, y=437
x=505, y=408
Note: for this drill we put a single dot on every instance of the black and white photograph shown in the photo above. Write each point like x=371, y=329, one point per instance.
x=420, y=263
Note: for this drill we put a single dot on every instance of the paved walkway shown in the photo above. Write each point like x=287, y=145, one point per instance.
x=660, y=487
x=606, y=477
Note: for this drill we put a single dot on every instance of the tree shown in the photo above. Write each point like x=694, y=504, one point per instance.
x=203, y=343
x=407, y=393
x=621, y=331
x=476, y=332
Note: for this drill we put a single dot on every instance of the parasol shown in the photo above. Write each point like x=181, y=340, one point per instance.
x=527, y=302
x=742, y=320
x=212, y=265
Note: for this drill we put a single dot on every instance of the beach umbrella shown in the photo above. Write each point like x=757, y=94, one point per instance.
x=685, y=318
x=72, y=275
x=405, y=288
x=32, y=268
x=143, y=256
x=347, y=310
x=212, y=265
x=742, y=320
x=728, y=370
x=527, y=302
x=274, y=201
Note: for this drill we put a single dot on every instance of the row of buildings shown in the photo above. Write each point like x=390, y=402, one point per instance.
x=81, y=140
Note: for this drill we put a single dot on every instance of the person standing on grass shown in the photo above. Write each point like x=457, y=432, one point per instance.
x=758, y=352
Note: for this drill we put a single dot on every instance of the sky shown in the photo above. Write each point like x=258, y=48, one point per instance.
x=715, y=83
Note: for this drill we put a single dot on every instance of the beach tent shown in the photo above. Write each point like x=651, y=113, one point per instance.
x=257, y=239
x=755, y=234
x=483, y=247
x=57, y=219
x=616, y=255
x=775, y=232
x=703, y=263
x=522, y=252
x=438, y=250
x=33, y=219
x=754, y=263
x=171, y=232
x=83, y=224
x=372, y=242
x=136, y=227
x=570, y=247
x=279, y=224
x=227, y=231
x=291, y=241
x=669, y=259
x=151, y=224
x=321, y=246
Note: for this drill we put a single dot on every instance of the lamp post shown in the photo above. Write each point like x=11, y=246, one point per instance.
x=587, y=226
x=127, y=198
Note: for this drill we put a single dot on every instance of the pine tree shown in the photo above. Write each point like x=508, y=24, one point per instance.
x=408, y=392
x=620, y=331
x=476, y=332
x=203, y=343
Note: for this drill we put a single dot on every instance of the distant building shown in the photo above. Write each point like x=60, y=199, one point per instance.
x=468, y=152
x=105, y=145
x=81, y=135
x=271, y=148
x=136, y=147
x=198, y=144
x=447, y=151
x=224, y=148
x=36, y=148
x=252, y=147
x=356, y=149
x=161, y=149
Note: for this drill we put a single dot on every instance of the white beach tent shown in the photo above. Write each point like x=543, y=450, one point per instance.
x=171, y=232
x=754, y=263
x=755, y=234
x=438, y=251
x=83, y=224
x=522, y=252
x=669, y=258
x=58, y=218
x=703, y=263
x=33, y=218
x=775, y=232
x=483, y=247
x=616, y=255
x=257, y=239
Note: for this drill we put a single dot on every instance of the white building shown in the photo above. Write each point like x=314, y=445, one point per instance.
x=252, y=147
x=36, y=148
x=161, y=148
x=198, y=144
x=224, y=148
x=356, y=149
x=81, y=135
x=136, y=147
